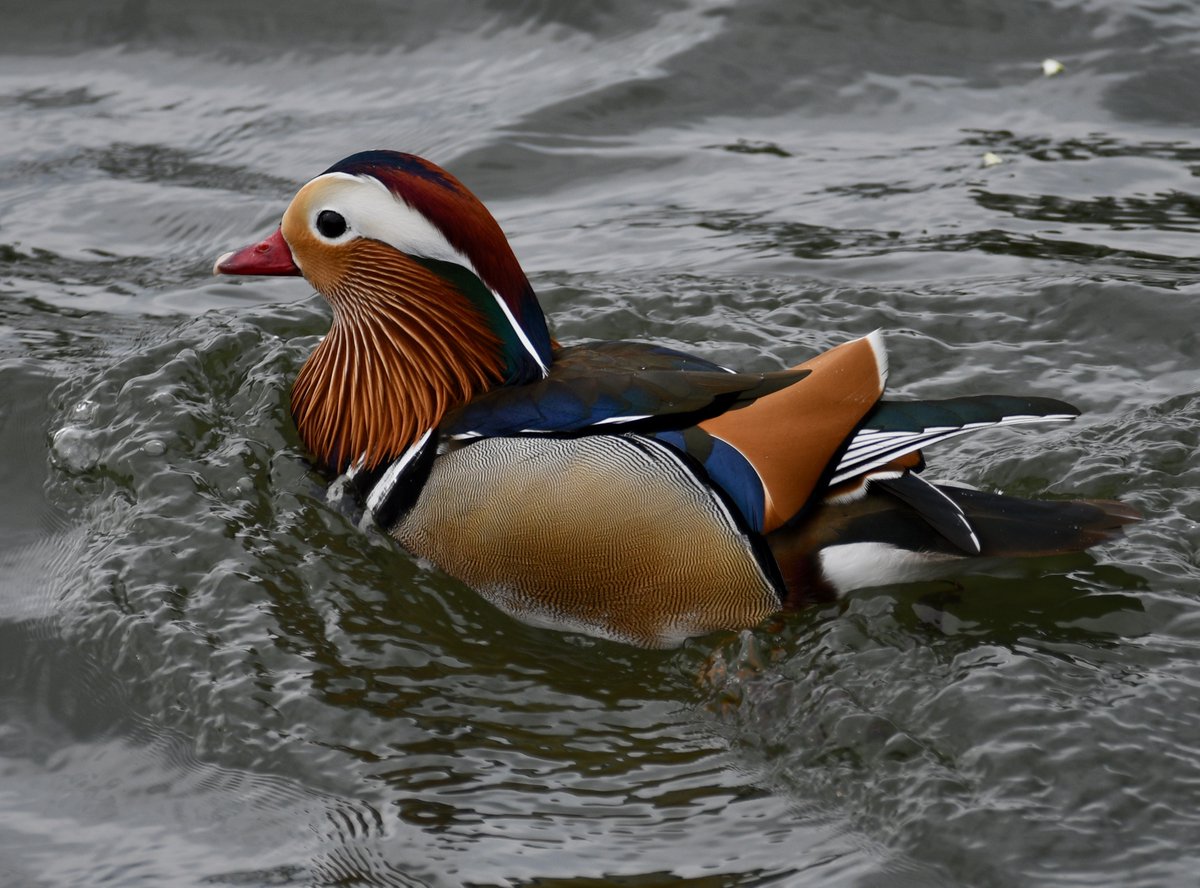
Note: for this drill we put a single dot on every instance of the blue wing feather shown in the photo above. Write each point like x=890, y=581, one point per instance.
x=727, y=468
x=617, y=386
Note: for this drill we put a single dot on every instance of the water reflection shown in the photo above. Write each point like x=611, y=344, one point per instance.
x=213, y=673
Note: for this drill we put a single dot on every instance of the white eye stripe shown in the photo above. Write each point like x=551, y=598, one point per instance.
x=372, y=211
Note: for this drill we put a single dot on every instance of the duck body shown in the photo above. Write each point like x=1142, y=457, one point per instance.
x=621, y=489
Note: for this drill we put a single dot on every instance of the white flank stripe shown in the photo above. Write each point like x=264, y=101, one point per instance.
x=876, y=453
x=620, y=419
x=609, y=421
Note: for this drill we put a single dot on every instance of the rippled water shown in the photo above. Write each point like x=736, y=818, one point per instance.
x=212, y=675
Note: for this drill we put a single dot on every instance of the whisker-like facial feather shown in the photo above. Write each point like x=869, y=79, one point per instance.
x=405, y=347
x=433, y=325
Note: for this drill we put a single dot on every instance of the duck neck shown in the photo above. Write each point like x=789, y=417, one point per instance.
x=515, y=318
x=409, y=341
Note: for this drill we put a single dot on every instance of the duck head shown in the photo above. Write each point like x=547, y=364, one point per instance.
x=430, y=306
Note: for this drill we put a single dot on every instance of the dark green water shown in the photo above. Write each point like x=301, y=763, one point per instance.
x=211, y=675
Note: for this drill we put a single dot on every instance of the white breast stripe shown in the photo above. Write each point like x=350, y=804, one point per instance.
x=385, y=485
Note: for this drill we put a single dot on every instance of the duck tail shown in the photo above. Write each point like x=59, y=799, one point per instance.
x=1011, y=526
x=906, y=532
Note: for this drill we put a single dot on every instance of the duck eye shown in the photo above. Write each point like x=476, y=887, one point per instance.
x=331, y=224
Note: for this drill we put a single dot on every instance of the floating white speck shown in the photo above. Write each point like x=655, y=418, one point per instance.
x=84, y=411
x=992, y=159
x=74, y=449
x=1050, y=67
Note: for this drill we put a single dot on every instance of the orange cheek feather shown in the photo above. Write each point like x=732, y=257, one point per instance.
x=405, y=347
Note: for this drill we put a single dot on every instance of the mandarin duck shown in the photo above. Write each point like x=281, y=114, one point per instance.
x=621, y=489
